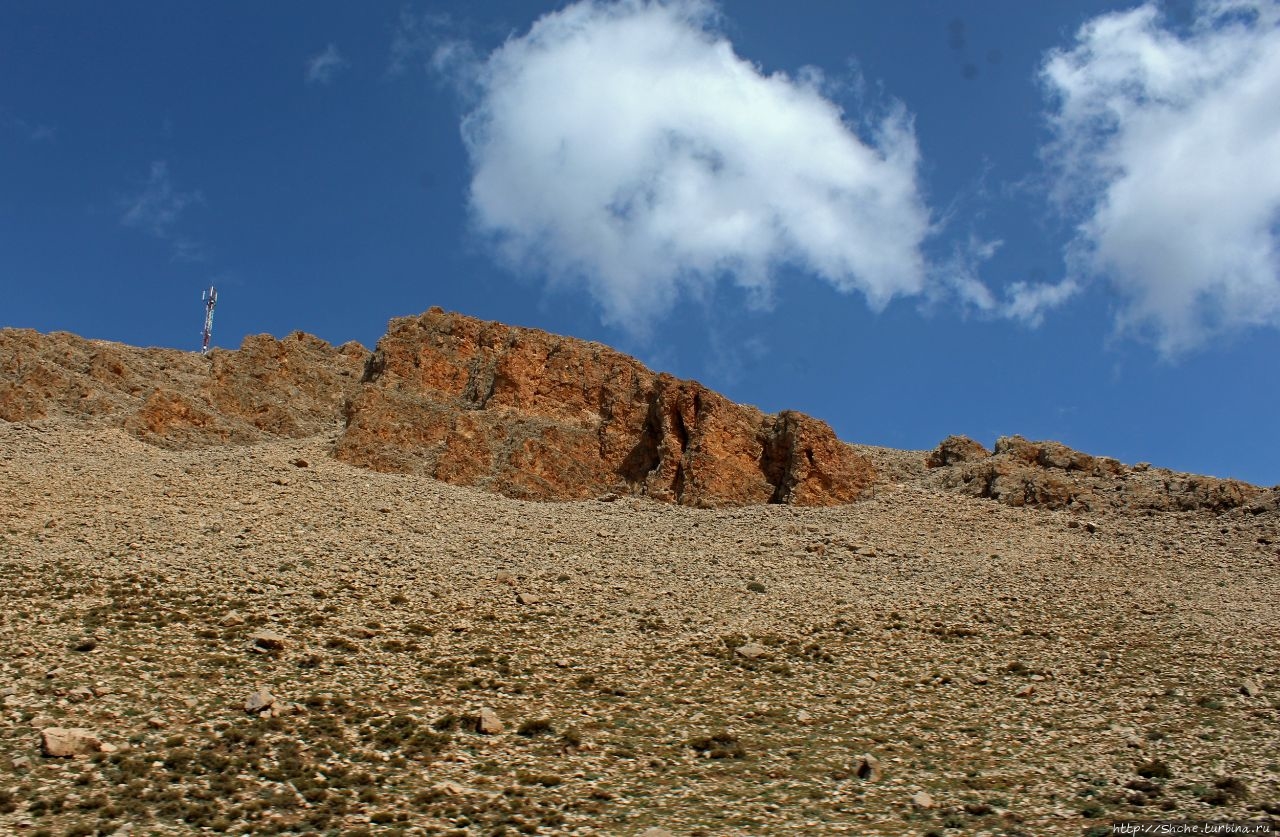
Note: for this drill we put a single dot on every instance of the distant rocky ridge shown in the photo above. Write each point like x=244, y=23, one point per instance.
x=1051, y=475
x=542, y=417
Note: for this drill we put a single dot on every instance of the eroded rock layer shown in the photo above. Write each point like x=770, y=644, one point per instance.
x=538, y=416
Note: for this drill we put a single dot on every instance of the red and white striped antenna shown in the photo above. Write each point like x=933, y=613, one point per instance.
x=210, y=298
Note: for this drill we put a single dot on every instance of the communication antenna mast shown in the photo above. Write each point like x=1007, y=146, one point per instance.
x=210, y=298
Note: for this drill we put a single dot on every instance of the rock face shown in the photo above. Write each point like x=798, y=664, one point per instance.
x=1052, y=475
x=293, y=387
x=541, y=417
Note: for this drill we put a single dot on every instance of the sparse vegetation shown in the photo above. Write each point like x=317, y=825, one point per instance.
x=624, y=688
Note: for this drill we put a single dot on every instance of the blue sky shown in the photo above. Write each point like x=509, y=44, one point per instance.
x=909, y=219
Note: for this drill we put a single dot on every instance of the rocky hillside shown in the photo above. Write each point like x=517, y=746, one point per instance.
x=517, y=411
x=538, y=416
x=269, y=388
x=241, y=597
x=267, y=640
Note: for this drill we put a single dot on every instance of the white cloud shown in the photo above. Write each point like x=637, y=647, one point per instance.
x=958, y=280
x=1028, y=301
x=626, y=147
x=1168, y=143
x=323, y=66
x=157, y=207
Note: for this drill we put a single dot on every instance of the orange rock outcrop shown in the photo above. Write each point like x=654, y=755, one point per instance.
x=538, y=416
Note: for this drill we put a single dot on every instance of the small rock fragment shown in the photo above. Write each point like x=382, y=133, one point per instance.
x=528, y=598
x=157, y=722
x=489, y=723
x=655, y=831
x=58, y=742
x=751, y=650
x=259, y=700
x=451, y=788
x=232, y=619
x=267, y=641
x=1250, y=688
x=301, y=463
x=1026, y=691
x=804, y=717
x=922, y=800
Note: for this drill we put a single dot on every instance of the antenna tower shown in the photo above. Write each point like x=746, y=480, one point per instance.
x=210, y=298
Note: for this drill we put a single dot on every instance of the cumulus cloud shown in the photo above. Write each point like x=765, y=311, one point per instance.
x=323, y=66
x=626, y=147
x=1167, y=142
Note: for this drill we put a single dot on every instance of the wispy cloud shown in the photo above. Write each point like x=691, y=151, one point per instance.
x=32, y=131
x=36, y=132
x=416, y=39
x=626, y=148
x=1029, y=301
x=324, y=65
x=958, y=280
x=1167, y=145
x=156, y=208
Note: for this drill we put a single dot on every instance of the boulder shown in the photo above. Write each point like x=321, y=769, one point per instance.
x=488, y=723
x=59, y=742
x=258, y=700
x=955, y=449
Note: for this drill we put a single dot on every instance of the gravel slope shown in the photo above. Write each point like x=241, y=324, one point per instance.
x=918, y=663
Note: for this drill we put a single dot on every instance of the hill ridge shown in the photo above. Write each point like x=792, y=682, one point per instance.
x=534, y=415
